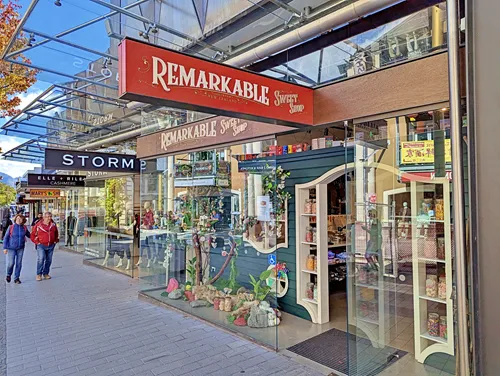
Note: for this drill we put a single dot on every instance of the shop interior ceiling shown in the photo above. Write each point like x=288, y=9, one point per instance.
x=77, y=59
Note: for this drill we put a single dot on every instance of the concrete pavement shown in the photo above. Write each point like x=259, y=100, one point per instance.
x=87, y=321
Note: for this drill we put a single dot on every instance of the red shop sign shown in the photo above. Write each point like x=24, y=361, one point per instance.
x=158, y=75
x=407, y=177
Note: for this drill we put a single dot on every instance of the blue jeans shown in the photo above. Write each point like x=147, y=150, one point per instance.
x=15, y=257
x=44, y=261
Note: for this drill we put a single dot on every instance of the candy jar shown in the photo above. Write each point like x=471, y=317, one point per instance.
x=315, y=238
x=310, y=262
x=443, y=327
x=433, y=324
x=362, y=277
x=310, y=290
x=315, y=292
x=313, y=207
x=442, y=288
x=309, y=235
x=315, y=264
x=308, y=207
x=431, y=288
x=439, y=209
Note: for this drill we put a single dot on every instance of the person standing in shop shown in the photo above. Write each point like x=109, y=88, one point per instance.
x=45, y=235
x=13, y=244
x=37, y=219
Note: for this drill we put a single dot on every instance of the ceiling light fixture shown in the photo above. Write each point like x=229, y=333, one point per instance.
x=57, y=3
x=31, y=40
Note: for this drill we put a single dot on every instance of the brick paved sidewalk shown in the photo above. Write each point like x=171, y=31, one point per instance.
x=87, y=321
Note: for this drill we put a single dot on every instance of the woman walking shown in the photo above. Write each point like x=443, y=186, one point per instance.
x=13, y=244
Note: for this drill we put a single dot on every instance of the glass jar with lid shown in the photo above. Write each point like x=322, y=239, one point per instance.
x=433, y=324
x=308, y=207
x=443, y=327
x=310, y=262
x=313, y=207
x=310, y=290
x=309, y=235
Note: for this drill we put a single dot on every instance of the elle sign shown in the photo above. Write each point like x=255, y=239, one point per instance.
x=158, y=75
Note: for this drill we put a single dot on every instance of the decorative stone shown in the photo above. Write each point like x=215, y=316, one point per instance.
x=198, y=303
x=189, y=296
x=172, y=285
x=240, y=321
x=258, y=318
x=228, y=304
x=176, y=294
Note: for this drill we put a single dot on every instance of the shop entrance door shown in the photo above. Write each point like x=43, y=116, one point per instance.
x=371, y=283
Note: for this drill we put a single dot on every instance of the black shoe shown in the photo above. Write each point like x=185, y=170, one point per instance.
x=17, y=281
x=7, y=279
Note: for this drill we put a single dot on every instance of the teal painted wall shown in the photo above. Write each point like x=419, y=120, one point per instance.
x=303, y=167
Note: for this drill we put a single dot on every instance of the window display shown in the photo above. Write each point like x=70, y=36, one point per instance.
x=110, y=225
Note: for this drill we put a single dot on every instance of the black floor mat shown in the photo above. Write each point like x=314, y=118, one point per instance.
x=331, y=350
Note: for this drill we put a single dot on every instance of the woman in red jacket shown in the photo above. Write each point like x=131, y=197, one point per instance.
x=45, y=235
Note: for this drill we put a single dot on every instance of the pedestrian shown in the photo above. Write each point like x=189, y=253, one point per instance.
x=45, y=235
x=13, y=243
x=6, y=223
x=37, y=219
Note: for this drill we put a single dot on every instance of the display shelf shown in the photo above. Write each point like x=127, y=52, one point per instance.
x=366, y=285
x=426, y=335
x=309, y=243
x=308, y=215
x=437, y=300
x=310, y=300
x=423, y=349
x=333, y=245
x=426, y=259
x=309, y=271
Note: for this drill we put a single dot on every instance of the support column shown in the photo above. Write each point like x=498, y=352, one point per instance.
x=170, y=183
x=483, y=90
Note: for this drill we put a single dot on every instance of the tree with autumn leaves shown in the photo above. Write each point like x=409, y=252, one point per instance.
x=15, y=79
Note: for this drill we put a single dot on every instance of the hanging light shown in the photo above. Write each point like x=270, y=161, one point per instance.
x=57, y=3
x=31, y=40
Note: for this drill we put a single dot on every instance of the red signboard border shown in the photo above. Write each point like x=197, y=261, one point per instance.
x=192, y=107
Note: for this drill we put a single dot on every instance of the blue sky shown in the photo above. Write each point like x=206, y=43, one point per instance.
x=51, y=20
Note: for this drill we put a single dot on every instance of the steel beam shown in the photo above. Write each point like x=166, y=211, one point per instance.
x=44, y=127
x=70, y=44
x=71, y=108
x=76, y=28
x=287, y=7
x=118, y=102
x=63, y=74
x=19, y=26
x=158, y=25
x=60, y=119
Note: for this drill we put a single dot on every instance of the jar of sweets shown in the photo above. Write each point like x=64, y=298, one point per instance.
x=308, y=207
x=433, y=324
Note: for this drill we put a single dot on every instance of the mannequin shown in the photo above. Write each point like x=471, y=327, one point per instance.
x=70, y=229
x=147, y=223
x=412, y=45
x=423, y=219
x=404, y=220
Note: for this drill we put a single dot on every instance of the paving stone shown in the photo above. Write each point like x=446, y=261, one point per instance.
x=88, y=321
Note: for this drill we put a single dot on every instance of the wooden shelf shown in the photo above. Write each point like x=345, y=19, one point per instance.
x=308, y=243
x=332, y=245
x=426, y=335
x=308, y=215
x=437, y=300
x=431, y=260
x=309, y=271
x=310, y=300
x=374, y=287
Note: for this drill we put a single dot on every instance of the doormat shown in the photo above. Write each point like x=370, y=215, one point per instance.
x=331, y=349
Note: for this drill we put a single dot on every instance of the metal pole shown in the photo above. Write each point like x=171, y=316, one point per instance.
x=458, y=188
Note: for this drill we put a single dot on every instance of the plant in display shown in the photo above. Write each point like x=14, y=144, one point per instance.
x=260, y=287
x=191, y=271
x=273, y=185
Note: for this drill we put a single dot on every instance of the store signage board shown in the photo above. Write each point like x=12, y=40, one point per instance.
x=56, y=180
x=215, y=131
x=158, y=75
x=422, y=152
x=60, y=159
x=407, y=177
x=44, y=193
x=194, y=182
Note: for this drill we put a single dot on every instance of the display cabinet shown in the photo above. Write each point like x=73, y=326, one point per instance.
x=432, y=268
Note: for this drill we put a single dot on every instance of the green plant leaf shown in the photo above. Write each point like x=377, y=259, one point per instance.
x=265, y=274
x=252, y=278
